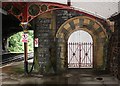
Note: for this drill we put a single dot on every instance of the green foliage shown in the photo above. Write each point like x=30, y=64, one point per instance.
x=16, y=45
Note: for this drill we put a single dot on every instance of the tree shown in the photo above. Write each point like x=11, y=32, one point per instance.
x=17, y=46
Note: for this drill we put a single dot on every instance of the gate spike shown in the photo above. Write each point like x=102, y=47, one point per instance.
x=82, y=43
x=79, y=43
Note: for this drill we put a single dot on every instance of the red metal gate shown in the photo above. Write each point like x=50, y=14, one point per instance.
x=80, y=55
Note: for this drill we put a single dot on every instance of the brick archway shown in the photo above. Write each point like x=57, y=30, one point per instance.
x=94, y=28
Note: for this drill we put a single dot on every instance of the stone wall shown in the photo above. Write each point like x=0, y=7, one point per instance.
x=114, y=49
x=53, y=30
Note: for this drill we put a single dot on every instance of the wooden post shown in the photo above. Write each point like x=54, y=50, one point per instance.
x=25, y=55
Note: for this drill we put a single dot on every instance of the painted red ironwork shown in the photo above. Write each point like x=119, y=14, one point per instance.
x=26, y=11
x=80, y=55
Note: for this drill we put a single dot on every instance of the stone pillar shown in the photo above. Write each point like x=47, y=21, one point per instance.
x=100, y=53
x=61, y=53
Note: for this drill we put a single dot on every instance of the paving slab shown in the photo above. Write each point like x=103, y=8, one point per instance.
x=14, y=75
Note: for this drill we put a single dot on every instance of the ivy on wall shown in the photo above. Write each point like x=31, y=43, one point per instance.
x=15, y=44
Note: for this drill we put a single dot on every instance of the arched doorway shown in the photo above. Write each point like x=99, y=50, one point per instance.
x=96, y=31
x=80, y=50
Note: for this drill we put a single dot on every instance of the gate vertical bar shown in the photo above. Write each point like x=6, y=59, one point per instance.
x=86, y=54
x=68, y=54
x=70, y=46
x=79, y=54
x=87, y=57
x=81, y=51
x=73, y=52
x=90, y=55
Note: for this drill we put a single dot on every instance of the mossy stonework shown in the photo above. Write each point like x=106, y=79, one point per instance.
x=51, y=56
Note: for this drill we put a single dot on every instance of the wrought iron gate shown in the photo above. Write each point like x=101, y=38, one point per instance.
x=80, y=55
